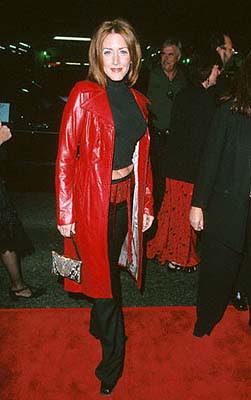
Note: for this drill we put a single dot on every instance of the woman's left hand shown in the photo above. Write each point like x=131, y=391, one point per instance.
x=196, y=218
x=66, y=230
x=147, y=222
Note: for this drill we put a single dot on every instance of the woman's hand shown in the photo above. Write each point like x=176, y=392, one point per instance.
x=66, y=230
x=147, y=222
x=196, y=218
x=5, y=133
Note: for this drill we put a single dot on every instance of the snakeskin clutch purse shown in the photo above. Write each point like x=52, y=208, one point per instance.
x=67, y=267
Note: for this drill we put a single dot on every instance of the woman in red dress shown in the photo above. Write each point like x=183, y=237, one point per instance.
x=175, y=240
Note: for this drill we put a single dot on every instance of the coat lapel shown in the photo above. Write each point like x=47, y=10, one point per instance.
x=97, y=103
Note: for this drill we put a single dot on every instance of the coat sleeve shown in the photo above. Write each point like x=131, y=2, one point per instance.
x=70, y=129
x=210, y=159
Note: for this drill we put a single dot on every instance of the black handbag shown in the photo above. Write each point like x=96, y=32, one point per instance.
x=67, y=267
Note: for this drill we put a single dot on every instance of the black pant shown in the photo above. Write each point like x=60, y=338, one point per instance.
x=107, y=323
x=240, y=285
x=157, y=150
x=218, y=273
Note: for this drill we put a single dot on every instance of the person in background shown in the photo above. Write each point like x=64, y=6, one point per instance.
x=14, y=242
x=221, y=43
x=166, y=80
x=104, y=184
x=175, y=241
x=228, y=60
x=5, y=133
x=221, y=205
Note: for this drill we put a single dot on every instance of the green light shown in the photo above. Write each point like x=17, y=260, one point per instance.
x=45, y=53
x=186, y=60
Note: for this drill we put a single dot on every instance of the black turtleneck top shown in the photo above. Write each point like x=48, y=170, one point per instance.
x=129, y=122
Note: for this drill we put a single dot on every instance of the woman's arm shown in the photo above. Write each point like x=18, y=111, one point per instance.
x=71, y=126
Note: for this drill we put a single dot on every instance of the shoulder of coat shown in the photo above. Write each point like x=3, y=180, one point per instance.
x=89, y=92
x=93, y=98
x=88, y=87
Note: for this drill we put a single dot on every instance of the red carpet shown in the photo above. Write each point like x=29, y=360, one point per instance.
x=48, y=354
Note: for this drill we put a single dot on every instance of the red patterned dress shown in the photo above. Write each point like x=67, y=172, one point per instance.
x=175, y=239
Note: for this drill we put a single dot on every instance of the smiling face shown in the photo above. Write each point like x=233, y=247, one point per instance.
x=116, y=57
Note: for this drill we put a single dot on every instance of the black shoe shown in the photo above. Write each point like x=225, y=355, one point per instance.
x=35, y=293
x=200, y=333
x=173, y=267
x=107, y=388
x=239, y=301
x=202, y=329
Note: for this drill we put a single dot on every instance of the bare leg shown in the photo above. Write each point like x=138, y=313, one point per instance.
x=11, y=262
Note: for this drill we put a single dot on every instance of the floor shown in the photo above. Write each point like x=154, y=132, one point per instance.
x=37, y=212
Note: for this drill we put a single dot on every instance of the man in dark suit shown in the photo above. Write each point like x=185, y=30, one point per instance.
x=166, y=80
x=222, y=44
x=221, y=207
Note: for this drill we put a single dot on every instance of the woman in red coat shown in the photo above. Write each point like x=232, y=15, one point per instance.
x=103, y=184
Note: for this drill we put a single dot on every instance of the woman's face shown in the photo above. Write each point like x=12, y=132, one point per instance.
x=116, y=57
x=215, y=72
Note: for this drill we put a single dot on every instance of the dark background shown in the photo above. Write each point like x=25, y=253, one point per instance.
x=153, y=19
x=36, y=112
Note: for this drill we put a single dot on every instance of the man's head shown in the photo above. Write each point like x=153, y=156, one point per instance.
x=170, y=56
x=223, y=45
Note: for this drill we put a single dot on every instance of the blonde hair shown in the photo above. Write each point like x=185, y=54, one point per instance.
x=96, y=71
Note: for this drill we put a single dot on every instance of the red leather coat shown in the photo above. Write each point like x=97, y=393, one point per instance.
x=83, y=179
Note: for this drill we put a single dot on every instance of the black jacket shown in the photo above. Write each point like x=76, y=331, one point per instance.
x=191, y=116
x=223, y=185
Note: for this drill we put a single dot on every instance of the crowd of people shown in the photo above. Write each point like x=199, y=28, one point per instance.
x=177, y=141
x=176, y=163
